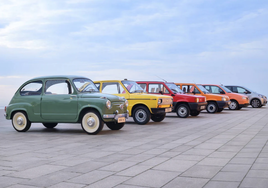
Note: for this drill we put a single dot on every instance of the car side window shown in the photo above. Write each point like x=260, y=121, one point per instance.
x=156, y=88
x=143, y=86
x=241, y=90
x=190, y=89
x=112, y=88
x=58, y=87
x=97, y=85
x=208, y=88
x=33, y=88
x=215, y=90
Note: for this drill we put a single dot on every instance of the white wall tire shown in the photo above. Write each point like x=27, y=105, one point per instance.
x=91, y=122
x=20, y=122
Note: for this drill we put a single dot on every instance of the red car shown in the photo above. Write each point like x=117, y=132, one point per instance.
x=183, y=104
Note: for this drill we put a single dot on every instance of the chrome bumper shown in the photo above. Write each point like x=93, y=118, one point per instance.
x=115, y=116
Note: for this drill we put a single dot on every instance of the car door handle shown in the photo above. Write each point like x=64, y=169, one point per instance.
x=73, y=95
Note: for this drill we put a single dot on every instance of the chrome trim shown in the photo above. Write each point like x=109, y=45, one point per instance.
x=115, y=116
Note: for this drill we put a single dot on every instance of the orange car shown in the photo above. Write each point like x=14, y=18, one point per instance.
x=238, y=101
x=216, y=103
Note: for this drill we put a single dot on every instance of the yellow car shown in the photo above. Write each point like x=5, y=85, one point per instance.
x=141, y=106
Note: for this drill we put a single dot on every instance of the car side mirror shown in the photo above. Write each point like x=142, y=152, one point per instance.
x=222, y=92
x=161, y=92
x=193, y=92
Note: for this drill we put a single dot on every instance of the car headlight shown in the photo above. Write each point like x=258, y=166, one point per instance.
x=244, y=97
x=197, y=100
x=108, y=104
x=126, y=103
x=159, y=101
x=223, y=99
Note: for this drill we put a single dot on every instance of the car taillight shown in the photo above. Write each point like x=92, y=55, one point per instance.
x=5, y=109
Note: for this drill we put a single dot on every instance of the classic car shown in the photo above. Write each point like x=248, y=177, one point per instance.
x=256, y=100
x=238, y=101
x=65, y=99
x=216, y=103
x=184, y=105
x=142, y=107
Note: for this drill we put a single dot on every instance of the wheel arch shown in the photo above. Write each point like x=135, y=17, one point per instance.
x=179, y=103
x=253, y=99
x=136, y=105
x=84, y=110
x=18, y=110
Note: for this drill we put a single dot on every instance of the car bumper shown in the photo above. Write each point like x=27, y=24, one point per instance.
x=115, y=116
x=197, y=106
x=161, y=110
x=243, y=105
x=223, y=104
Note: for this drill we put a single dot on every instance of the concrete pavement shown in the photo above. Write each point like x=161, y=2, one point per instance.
x=227, y=149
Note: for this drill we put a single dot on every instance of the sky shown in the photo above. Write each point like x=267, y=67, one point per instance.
x=200, y=41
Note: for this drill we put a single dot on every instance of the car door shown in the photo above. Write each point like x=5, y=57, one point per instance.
x=58, y=101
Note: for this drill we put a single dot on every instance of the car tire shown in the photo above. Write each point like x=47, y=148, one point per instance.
x=21, y=122
x=256, y=103
x=212, y=107
x=50, y=125
x=194, y=113
x=233, y=105
x=183, y=111
x=158, y=117
x=114, y=125
x=141, y=115
x=91, y=122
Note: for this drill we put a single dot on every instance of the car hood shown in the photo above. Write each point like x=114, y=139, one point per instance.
x=112, y=98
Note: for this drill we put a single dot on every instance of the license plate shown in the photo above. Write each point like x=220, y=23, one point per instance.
x=202, y=107
x=121, y=120
x=168, y=110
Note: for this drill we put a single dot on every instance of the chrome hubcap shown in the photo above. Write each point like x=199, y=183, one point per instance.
x=233, y=105
x=91, y=122
x=182, y=111
x=20, y=121
x=211, y=107
x=140, y=115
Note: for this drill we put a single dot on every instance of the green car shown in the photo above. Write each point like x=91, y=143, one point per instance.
x=65, y=99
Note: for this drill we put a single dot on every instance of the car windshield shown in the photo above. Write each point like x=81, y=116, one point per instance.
x=85, y=85
x=174, y=88
x=132, y=87
x=202, y=89
x=226, y=89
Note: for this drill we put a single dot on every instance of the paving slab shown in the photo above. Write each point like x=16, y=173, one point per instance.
x=227, y=149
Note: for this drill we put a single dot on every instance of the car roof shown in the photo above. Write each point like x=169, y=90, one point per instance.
x=156, y=82
x=113, y=80
x=59, y=77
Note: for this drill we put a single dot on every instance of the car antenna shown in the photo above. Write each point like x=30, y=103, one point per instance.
x=161, y=78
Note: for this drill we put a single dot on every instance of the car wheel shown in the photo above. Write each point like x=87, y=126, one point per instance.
x=141, y=115
x=233, y=105
x=158, y=117
x=91, y=122
x=255, y=103
x=50, y=125
x=194, y=113
x=114, y=125
x=20, y=122
x=212, y=107
x=183, y=111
